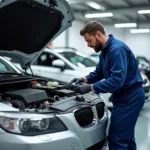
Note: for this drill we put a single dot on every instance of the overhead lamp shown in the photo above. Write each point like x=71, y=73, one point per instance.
x=144, y=11
x=98, y=15
x=139, y=30
x=125, y=25
x=95, y=5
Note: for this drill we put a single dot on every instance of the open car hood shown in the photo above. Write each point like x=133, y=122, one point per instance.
x=28, y=26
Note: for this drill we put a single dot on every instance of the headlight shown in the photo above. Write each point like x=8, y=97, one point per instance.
x=25, y=124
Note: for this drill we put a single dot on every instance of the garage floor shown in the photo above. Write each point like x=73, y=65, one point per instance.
x=142, y=130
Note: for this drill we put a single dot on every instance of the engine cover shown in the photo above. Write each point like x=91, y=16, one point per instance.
x=27, y=95
x=76, y=102
x=69, y=104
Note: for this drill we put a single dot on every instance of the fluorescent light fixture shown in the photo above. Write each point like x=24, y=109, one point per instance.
x=144, y=11
x=95, y=5
x=125, y=25
x=139, y=30
x=98, y=15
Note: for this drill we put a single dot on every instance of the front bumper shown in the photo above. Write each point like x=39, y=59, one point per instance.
x=88, y=136
x=59, y=141
x=75, y=138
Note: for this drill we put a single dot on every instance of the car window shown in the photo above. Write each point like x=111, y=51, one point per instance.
x=78, y=60
x=95, y=57
x=142, y=60
x=46, y=59
x=5, y=67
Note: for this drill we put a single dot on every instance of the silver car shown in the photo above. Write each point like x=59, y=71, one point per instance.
x=36, y=114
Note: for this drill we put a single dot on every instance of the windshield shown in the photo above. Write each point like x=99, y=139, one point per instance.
x=5, y=67
x=78, y=60
x=142, y=61
x=95, y=57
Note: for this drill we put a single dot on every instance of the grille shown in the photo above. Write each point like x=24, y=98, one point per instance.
x=84, y=116
x=100, y=107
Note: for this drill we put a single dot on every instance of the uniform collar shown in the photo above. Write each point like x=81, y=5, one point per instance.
x=111, y=37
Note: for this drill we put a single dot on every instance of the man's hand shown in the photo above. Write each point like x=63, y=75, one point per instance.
x=84, y=88
x=76, y=81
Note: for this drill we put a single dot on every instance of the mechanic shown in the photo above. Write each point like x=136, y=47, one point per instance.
x=117, y=73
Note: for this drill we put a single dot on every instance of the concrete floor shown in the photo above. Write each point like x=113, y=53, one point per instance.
x=142, y=129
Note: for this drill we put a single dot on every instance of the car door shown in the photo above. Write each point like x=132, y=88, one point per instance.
x=44, y=67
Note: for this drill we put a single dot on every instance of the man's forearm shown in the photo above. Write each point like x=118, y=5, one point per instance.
x=92, y=87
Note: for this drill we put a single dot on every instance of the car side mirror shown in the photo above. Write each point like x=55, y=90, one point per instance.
x=59, y=64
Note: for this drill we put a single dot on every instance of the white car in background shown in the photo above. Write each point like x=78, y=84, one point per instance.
x=95, y=56
x=63, y=64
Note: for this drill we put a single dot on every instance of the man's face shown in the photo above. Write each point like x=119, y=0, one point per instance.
x=93, y=42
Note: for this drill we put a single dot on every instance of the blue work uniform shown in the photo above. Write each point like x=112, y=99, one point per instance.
x=117, y=73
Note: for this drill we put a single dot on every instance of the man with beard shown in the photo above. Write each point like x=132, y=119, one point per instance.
x=117, y=73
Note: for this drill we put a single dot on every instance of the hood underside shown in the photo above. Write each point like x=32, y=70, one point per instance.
x=28, y=26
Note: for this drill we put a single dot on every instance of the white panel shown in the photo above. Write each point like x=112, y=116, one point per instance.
x=77, y=41
x=60, y=40
x=139, y=43
x=118, y=33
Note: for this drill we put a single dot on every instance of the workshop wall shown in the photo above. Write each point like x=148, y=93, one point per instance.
x=139, y=43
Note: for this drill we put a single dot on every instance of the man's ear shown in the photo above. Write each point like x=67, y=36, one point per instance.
x=98, y=35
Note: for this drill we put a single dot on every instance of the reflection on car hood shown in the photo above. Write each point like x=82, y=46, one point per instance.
x=89, y=68
x=86, y=69
x=6, y=107
x=28, y=26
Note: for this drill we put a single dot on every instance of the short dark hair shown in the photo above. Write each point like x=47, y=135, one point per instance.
x=92, y=27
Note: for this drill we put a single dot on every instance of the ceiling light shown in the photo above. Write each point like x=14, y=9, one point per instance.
x=144, y=11
x=139, y=30
x=95, y=5
x=125, y=25
x=98, y=15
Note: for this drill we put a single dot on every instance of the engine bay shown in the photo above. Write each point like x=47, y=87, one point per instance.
x=37, y=95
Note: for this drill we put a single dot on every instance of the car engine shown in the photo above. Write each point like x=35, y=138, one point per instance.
x=38, y=96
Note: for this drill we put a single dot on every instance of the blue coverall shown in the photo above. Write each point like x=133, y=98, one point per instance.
x=117, y=72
